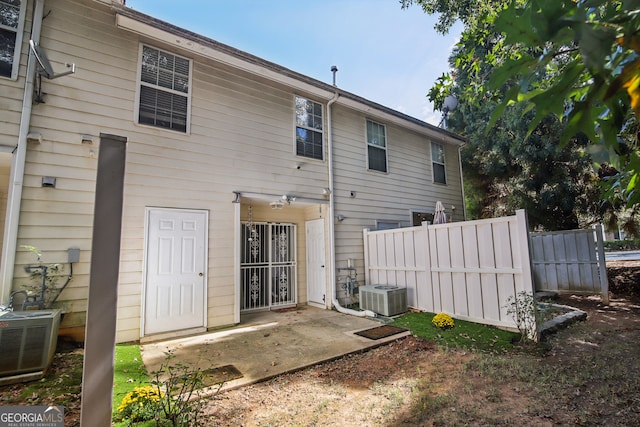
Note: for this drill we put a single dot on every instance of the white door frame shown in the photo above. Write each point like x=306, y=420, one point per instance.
x=147, y=215
x=327, y=297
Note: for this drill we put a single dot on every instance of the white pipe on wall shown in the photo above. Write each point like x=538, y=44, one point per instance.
x=12, y=216
x=332, y=236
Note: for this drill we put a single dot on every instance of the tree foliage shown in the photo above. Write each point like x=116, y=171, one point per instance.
x=566, y=70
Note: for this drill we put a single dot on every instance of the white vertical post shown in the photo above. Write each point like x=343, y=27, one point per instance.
x=237, y=247
x=602, y=265
x=522, y=227
x=365, y=240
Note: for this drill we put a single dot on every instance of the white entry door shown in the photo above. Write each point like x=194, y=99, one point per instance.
x=175, y=270
x=316, y=276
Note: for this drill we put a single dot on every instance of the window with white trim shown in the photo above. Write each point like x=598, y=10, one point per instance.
x=376, y=146
x=437, y=162
x=165, y=89
x=11, y=25
x=309, y=124
x=383, y=224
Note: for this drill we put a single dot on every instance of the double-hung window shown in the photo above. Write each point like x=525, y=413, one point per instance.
x=165, y=90
x=11, y=24
x=309, y=124
x=437, y=163
x=376, y=146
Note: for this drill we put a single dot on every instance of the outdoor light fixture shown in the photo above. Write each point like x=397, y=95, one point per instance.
x=286, y=198
x=276, y=205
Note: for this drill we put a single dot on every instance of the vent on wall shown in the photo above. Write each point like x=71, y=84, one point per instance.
x=27, y=343
x=383, y=299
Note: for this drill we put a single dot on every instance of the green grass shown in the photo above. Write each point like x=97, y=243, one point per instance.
x=467, y=335
x=129, y=373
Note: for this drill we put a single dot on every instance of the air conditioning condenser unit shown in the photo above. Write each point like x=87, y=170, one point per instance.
x=27, y=344
x=386, y=300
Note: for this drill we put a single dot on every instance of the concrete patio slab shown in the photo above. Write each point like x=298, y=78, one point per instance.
x=270, y=343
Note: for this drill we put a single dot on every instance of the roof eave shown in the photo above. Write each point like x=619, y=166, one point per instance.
x=148, y=26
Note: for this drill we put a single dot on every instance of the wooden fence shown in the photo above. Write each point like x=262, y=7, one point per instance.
x=570, y=261
x=469, y=269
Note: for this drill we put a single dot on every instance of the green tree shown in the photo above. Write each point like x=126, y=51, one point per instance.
x=532, y=155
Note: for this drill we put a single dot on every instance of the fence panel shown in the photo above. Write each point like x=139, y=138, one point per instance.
x=466, y=269
x=569, y=261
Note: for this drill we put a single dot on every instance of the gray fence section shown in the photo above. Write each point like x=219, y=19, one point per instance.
x=570, y=262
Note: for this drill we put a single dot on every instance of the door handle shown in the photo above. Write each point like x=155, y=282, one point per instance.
x=322, y=266
x=200, y=274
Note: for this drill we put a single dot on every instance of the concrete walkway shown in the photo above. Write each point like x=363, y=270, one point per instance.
x=267, y=344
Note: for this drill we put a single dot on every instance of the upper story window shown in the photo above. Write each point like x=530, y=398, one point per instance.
x=437, y=162
x=165, y=89
x=376, y=146
x=309, y=123
x=11, y=23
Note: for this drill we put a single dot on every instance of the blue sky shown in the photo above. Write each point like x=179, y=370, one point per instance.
x=383, y=53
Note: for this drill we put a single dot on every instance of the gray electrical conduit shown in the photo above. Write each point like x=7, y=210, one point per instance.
x=332, y=237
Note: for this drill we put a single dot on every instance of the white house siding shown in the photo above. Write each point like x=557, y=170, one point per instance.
x=385, y=196
x=241, y=139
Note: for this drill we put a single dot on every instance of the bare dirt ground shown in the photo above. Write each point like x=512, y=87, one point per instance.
x=587, y=374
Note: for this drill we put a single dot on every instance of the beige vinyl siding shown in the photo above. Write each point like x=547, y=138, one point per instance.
x=391, y=197
x=241, y=139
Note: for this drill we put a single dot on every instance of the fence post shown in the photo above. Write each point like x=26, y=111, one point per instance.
x=525, y=254
x=426, y=290
x=365, y=239
x=602, y=265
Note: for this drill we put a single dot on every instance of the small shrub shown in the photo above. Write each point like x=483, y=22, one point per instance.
x=182, y=404
x=443, y=321
x=523, y=309
x=140, y=404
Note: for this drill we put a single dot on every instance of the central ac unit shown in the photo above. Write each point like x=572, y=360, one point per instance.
x=386, y=300
x=27, y=343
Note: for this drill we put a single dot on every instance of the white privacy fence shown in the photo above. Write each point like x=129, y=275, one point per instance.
x=570, y=261
x=469, y=269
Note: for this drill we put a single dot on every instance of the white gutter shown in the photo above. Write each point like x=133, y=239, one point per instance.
x=332, y=234
x=10, y=240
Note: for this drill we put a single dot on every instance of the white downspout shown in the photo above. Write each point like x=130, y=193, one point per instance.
x=14, y=197
x=332, y=236
x=464, y=197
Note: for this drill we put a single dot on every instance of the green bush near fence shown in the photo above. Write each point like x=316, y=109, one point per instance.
x=622, y=245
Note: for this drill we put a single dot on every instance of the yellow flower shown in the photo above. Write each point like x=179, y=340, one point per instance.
x=442, y=320
x=140, y=396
